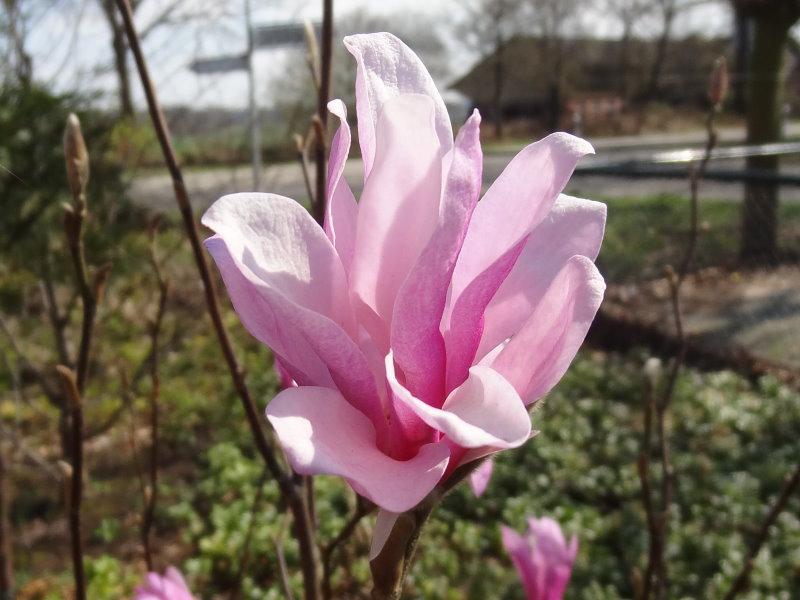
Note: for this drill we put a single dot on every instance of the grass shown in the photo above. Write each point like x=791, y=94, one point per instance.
x=644, y=234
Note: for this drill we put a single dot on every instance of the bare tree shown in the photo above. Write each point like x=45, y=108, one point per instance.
x=628, y=14
x=120, y=50
x=14, y=29
x=487, y=27
x=174, y=13
x=771, y=21
x=295, y=96
x=552, y=21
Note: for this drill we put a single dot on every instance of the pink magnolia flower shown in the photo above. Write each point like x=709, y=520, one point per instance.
x=170, y=586
x=543, y=558
x=418, y=324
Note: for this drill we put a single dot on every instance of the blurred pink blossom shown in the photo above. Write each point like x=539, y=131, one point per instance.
x=170, y=586
x=479, y=478
x=543, y=558
x=418, y=324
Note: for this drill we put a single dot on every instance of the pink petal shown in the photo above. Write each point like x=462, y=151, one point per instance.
x=384, y=523
x=513, y=206
x=479, y=478
x=341, y=209
x=573, y=226
x=416, y=338
x=520, y=553
x=540, y=353
x=398, y=210
x=484, y=411
x=322, y=434
x=281, y=244
x=279, y=268
x=387, y=68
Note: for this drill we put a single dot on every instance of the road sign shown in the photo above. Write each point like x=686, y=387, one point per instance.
x=220, y=64
x=283, y=34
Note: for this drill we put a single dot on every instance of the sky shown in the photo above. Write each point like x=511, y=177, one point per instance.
x=70, y=44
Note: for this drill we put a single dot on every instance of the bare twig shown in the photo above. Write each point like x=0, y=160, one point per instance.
x=77, y=161
x=283, y=570
x=742, y=581
x=647, y=492
x=302, y=157
x=6, y=562
x=34, y=457
x=151, y=495
x=70, y=383
x=312, y=54
x=322, y=106
x=656, y=575
x=362, y=509
x=290, y=493
x=244, y=560
x=58, y=321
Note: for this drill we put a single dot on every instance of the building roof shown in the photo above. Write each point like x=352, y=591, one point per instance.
x=591, y=66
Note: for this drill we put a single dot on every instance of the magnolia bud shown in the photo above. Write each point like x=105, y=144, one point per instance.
x=65, y=468
x=76, y=156
x=718, y=84
x=652, y=370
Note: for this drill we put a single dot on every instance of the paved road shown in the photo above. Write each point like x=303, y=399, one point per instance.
x=155, y=190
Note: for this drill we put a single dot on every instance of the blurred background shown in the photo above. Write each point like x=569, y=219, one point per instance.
x=632, y=76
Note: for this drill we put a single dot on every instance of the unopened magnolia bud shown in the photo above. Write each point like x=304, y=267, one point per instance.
x=718, y=84
x=76, y=156
x=652, y=371
x=65, y=468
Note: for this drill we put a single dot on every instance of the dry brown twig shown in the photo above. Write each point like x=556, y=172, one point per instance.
x=151, y=489
x=6, y=551
x=69, y=381
x=323, y=94
x=656, y=575
x=742, y=581
x=244, y=559
x=290, y=493
x=362, y=509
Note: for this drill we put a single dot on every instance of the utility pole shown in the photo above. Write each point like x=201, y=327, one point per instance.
x=255, y=124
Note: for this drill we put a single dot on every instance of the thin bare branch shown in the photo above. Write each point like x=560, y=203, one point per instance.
x=244, y=560
x=70, y=383
x=293, y=497
x=742, y=581
x=362, y=509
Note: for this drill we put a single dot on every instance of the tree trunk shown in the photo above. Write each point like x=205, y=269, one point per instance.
x=23, y=68
x=654, y=82
x=120, y=49
x=764, y=103
x=6, y=567
x=497, y=92
x=742, y=35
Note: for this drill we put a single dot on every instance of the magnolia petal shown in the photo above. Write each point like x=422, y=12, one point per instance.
x=322, y=434
x=341, y=209
x=313, y=349
x=398, y=210
x=279, y=242
x=540, y=353
x=512, y=207
x=485, y=411
x=384, y=523
x=479, y=478
x=387, y=68
x=573, y=226
x=520, y=552
x=416, y=339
